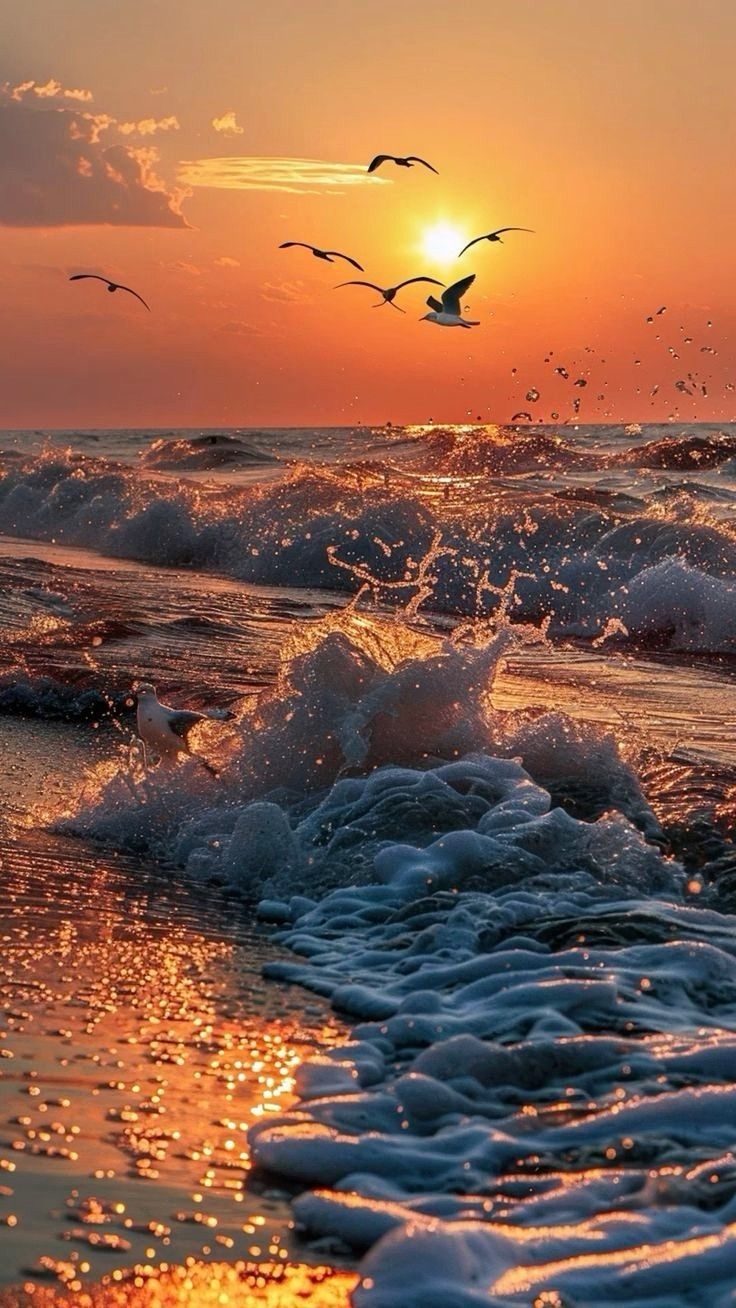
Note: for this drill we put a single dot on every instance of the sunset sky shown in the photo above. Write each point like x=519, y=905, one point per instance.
x=172, y=144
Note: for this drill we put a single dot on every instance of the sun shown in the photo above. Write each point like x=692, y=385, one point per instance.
x=442, y=242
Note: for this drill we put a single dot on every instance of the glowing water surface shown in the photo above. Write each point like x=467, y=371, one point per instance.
x=137, y=1044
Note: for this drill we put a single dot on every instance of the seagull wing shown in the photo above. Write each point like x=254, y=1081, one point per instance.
x=130, y=291
x=499, y=230
x=379, y=159
x=414, y=158
x=473, y=242
x=434, y=304
x=410, y=280
x=286, y=245
x=452, y=296
x=371, y=284
x=347, y=259
x=181, y=721
x=95, y=277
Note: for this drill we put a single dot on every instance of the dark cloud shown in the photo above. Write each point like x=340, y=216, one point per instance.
x=55, y=173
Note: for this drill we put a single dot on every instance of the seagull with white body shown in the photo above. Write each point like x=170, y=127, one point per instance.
x=449, y=312
x=390, y=292
x=328, y=255
x=165, y=730
x=494, y=236
x=111, y=286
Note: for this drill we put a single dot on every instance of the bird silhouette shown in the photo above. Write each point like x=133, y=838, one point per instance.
x=111, y=286
x=406, y=161
x=448, y=313
x=328, y=255
x=389, y=293
x=493, y=236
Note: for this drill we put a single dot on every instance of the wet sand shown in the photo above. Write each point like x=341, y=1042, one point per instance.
x=138, y=1042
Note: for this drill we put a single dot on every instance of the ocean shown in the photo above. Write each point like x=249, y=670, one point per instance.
x=476, y=800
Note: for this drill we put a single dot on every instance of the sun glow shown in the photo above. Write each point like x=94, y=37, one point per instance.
x=442, y=242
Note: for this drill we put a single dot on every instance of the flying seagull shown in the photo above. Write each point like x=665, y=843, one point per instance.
x=389, y=294
x=165, y=730
x=111, y=286
x=494, y=236
x=407, y=161
x=449, y=313
x=329, y=255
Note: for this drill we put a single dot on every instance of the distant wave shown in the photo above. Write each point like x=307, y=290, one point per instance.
x=577, y=564
x=202, y=453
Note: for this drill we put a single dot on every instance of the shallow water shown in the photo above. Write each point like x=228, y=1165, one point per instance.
x=139, y=1041
x=481, y=778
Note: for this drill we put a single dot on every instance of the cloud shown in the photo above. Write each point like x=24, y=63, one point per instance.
x=54, y=172
x=225, y=261
x=284, y=292
x=181, y=265
x=228, y=124
x=297, y=176
x=239, y=329
x=48, y=91
x=149, y=126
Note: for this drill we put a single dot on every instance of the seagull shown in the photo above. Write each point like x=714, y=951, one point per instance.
x=448, y=313
x=493, y=236
x=165, y=730
x=389, y=294
x=329, y=255
x=111, y=286
x=407, y=161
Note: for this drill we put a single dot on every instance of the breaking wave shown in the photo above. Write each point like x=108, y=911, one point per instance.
x=537, y=1097
x=456, y=527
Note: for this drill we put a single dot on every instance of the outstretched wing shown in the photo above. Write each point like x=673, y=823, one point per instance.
x=347, y=259
x=473, y=242
x=452, y=296
x=181, y=721
x=414, y=158
x=286, y=245
x=371, y=284
x=410, y=280
x=95, y=277
x=499, y=230
x=130, y=291
x=379, y=159
x=434, y=304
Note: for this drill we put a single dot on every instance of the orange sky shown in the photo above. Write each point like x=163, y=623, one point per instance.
x=607, y=127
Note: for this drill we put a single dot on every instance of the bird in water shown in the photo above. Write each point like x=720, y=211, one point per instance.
x=390, y=292
x=407, y=161
x=449, y=312
x=493, y=236
x=165, y=731
x=328, y=255
x=111, y=286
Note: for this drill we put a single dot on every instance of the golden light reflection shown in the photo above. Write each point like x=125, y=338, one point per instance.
x=195, y=1285
x=520, y=1279
x=139, y=1044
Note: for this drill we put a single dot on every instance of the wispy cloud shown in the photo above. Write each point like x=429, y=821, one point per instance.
x=284, y=292
x=296, y=176
x=228, y=124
